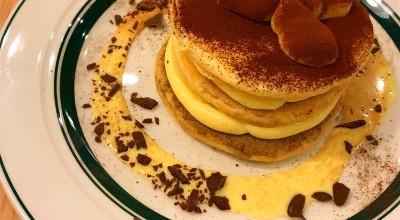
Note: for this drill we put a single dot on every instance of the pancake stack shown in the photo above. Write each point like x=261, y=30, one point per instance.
x=231, y=82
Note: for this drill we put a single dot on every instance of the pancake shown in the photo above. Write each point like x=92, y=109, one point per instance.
x=289, y=113
x=246, y=54
x=242, y=146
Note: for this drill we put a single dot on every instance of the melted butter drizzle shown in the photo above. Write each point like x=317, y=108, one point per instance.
x=266, y=195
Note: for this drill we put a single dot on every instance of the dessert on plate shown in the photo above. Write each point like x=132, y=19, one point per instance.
x=262, y=88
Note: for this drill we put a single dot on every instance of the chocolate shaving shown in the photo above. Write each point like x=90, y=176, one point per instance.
x=175, y=191
x=348, y=147
x=143, y=159
x=322, y=196
x=127, y=117
x=215, y=182
x=154, y=21
x=157, y=120
x=97, y=139
x=222, y=203
x=138, y=124
x=147, y=103
x=375, y=50
x=147, y=5
x=118, y=19
x=121, y=147
x=135, y=25
x=116, y=87
x=378, y=108
x=108, y=78
x=192, y=200
x=147, y=120
x=91, y=66
x=99, y=129
x=87, y=105
x=340, y=193
x=177, y=173
x=296, y=206
x=353, y=124
x=125, y=157
x=138, y=137
x=162, y=177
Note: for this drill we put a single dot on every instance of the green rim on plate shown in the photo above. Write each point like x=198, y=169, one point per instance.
x=69, y=122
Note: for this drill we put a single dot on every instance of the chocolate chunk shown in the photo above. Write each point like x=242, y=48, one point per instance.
x=127, y=117
x=135, y=25
x=113, y=39
x=99, y=129
x=154, y=21
x=175, y=191
x=147, y=103
x=87, y=105
x=197, y=210
x=215, y=182
x=116, y=87
x=348, y=147
x=375, y=50
x=322, y=196
x=91, y=66
x=118, y=19
x=138, y=137
x=353, y=124
x=162, y=177
x=177, y=173
x=378, y=108
x=157, y=120
x=296, y=205
x=147, y=5
x=143, y=159
x=192, y=200
x=147, y=120
x=125, y=157
x=108, y=78
x=370, y=138
x=138, y=124
x=222, y=203
x=340, y=193
x=97, y=139
x=376, y=42
x=131, y=144
x=244, y=197
x=121, y=147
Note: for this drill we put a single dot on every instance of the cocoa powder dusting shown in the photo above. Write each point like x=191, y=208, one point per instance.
x=373, y=169
x=261, y=61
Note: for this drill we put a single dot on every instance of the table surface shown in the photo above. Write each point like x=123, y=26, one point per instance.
x=6, y=208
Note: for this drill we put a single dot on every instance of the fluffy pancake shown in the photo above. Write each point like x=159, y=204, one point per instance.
x=243, y=146
x=246, y=54
x=289, y=113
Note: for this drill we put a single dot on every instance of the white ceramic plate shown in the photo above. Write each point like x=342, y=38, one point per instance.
x=52, y=169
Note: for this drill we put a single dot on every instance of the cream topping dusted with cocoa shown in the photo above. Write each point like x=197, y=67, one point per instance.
x=255, y=63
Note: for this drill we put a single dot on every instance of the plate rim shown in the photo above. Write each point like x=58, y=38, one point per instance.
x=13, y=192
